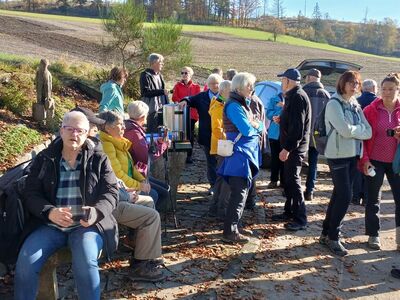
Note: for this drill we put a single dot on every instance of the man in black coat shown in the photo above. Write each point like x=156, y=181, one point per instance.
x=153, y=91
x=70, y=193
x=201, y=102
x=318, y=99
x=295, y=122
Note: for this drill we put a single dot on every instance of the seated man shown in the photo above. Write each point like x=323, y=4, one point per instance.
x=70, y=193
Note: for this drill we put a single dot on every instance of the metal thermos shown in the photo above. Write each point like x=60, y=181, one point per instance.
x=176, y=120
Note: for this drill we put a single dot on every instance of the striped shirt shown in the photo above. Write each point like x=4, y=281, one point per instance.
x=69, y=192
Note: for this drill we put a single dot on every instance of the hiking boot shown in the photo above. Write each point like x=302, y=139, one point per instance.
x=374, y=242
x=323, y=239
x=281, y=217
x=337, y=248
x=272, y=185
x=294, y=226
x=308, y=196
x=235, y=238
x=145, y=270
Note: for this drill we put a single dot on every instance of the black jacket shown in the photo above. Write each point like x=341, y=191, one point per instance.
x=201, y=102
x=97, y=182
x=151, y=95
x=318, y=98
x=295, y=121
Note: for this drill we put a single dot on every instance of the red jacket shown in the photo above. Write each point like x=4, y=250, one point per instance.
x=182, y=90
x=371, y=114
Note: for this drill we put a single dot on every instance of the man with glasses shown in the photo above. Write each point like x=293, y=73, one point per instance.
x=70, y=194
x=153, y=91
x=294, y=135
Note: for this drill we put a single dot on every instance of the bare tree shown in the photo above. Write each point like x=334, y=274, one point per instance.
x=278, y=9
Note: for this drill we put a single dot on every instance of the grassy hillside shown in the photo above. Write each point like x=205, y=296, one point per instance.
x=237, y=32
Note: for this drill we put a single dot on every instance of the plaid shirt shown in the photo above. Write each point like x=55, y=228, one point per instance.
x=68, y=191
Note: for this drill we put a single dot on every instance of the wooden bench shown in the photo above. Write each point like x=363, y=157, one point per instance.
x=48, y=284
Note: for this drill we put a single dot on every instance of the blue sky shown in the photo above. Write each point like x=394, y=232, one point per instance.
x=347, y=10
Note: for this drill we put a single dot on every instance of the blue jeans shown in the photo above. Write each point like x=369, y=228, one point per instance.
x=312, y=169
x=85, y=245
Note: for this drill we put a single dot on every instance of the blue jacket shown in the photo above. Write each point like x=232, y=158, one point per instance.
x=274, y=110
x=112, y=98
x=365, y=99
x=202, y=102
x=246, y=157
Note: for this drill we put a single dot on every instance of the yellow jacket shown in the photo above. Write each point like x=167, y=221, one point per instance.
x=117, y=152
x=216, y=111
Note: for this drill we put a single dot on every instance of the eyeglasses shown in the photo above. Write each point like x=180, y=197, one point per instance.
x=354, y=83
x=71, y=130
x=184, y=73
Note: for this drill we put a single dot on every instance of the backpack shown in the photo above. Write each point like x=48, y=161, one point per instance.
x=12, y=213
x=320, y=135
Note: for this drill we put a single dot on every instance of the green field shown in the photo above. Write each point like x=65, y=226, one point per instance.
x=238, y=32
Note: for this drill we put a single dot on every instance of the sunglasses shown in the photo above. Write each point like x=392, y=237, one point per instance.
x=71, y=130
x=184, y=73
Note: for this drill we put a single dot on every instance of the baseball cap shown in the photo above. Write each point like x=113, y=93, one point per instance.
x=90, y=115
x=313, y=72
x=292, y=74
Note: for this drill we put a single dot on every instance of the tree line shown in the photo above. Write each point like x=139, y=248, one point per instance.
x=371, y=36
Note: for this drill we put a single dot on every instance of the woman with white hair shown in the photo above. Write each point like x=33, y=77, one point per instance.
x=201, y=102
x=186, y=88
x=242, y=166
x=152, y=89
x=139, y=149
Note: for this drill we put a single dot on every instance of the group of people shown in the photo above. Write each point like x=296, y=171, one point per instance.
x=96, y=174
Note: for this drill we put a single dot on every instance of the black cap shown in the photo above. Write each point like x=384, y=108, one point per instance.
x=90, y=115
x=292, y=74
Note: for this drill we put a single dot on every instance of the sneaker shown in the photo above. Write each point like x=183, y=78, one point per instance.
x=294, y=226
x=323, y=239
x=281, y=217
x=146, y=271
x=337, y=248
x=374, y=242
x=308, y=196
x=235, y=238
x=189, y=160
x=272, y=185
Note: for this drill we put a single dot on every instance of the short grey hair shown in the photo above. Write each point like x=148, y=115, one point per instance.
x=137, y=109
x=242, y=80
x=214, y=77
x=369, y=84
x=153, y=57
x=225, y=85
x=231, y=73
x=190, y=70
x=75, y=115
x=110, y=117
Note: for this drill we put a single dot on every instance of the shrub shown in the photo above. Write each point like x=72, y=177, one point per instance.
x=17, y=95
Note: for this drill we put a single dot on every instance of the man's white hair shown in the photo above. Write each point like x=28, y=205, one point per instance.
x=369, y=85
x=225, y=85
x=214, y=77
x=154, y=57
x=72, y=117
x=137, y=109
x=241, y=80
